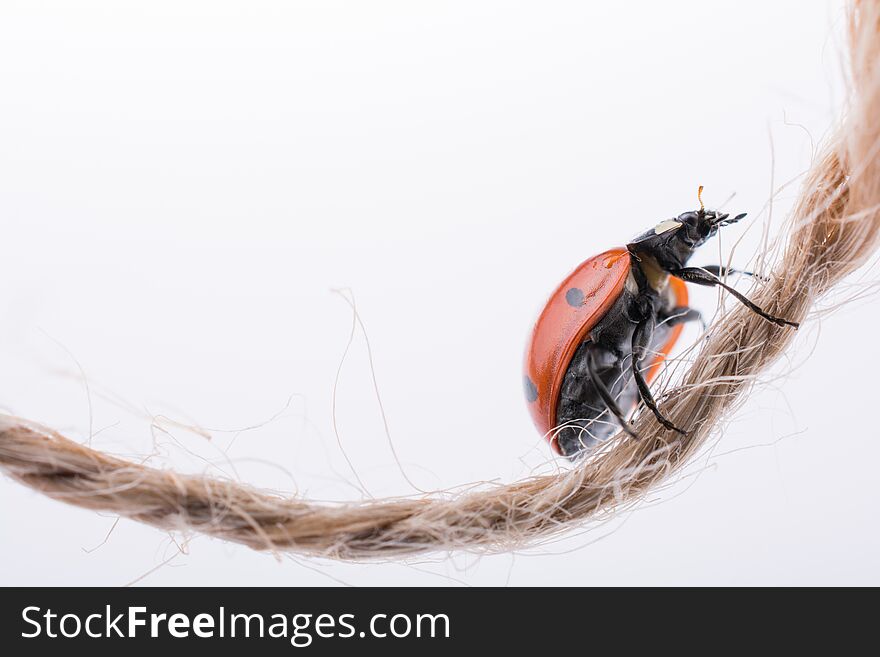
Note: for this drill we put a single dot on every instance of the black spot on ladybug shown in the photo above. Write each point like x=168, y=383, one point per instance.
x=531, y=390
x=575, y=297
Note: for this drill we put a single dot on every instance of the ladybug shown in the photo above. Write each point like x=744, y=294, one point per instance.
x=605, y=331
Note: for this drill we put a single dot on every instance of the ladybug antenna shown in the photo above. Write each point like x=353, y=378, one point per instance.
x=700, y=199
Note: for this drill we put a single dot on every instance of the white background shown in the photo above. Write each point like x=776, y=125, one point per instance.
x=183, y=183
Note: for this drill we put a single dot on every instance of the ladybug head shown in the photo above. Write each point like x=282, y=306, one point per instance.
x=673, y=241
x=698, y=226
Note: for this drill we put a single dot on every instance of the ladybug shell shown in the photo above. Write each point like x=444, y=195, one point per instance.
x=574, y=308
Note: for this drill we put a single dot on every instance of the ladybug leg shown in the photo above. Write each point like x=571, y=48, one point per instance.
x=721, y=270
x=606, y=396
x=641, y=342
x=700, y=276
x=682, y=314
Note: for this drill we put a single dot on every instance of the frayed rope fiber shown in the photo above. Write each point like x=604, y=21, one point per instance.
x=833, y=230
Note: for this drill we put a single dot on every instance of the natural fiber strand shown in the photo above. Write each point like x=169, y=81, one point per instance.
x=833, y=230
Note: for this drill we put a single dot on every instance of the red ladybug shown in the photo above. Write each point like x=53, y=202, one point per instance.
x=606, y=329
